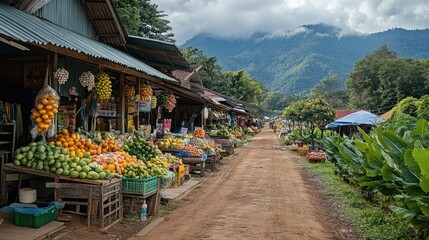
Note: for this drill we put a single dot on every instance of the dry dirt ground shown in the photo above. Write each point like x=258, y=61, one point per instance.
x=262, y=192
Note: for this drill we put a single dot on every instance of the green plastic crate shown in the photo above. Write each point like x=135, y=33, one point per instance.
x=141, y=186
x=27, y=220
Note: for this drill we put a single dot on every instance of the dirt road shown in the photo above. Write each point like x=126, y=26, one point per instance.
x=261, y=193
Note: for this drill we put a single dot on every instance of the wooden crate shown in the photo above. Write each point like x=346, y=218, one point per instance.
x=104, y=199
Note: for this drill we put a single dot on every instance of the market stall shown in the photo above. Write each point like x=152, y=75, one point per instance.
x=72, y=114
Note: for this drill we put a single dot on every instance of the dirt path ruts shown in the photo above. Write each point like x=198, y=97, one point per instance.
x=259, y=194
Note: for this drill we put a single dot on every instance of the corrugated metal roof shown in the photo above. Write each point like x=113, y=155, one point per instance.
x=106, y=22
x=157, y=53
x=31, y=29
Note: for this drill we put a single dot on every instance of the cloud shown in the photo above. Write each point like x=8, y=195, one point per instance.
x=238, y=18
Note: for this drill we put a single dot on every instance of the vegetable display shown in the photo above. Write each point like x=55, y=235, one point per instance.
x=55, y=159
x=140, y=148
x=62, y=75
x=87, y=80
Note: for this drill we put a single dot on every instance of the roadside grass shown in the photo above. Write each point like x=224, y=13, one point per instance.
x=371, y=221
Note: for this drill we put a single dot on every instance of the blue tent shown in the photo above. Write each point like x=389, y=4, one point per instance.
x=357, y=118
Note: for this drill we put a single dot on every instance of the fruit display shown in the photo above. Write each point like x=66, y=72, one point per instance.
x=130, y=91
x=193, y=150
x=171, y=102
x=145, y=92
x=115, y=162
x=157, y=167
x=136, y=170
x=62, y=75
x=103, y=87
x=153, y=102
x=171, y=143
x=75, y=143
x=55, y=159
x=316, y=155
x=45, y=109
x=172, y=159
x=199, y=133
x=87, y=80
x=140, y=148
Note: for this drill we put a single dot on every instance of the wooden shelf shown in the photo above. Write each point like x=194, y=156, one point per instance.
x=5, y=133
x=5, y=142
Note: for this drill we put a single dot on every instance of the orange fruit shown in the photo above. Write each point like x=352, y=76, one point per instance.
x=42, y=111
x=38, y=120
x=40, y=106
x=45, y=116
x=35, y=115
x=47, y=121
x=48, y=107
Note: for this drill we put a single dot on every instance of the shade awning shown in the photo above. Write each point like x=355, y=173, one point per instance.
x=358, y=118
x=26, y=28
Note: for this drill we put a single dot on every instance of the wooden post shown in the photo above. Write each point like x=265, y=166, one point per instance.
x=122, y=103
x=137, y=110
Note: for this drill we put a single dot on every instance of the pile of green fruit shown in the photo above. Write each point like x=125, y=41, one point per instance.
x=156, y=167
x=55, y=159
x=136, y=170
x=140, y=148
x=172, y=159
x=152, y=168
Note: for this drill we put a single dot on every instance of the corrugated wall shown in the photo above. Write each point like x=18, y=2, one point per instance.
x=73, y=16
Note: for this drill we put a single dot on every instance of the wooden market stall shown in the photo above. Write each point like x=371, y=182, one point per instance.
x=35, y=41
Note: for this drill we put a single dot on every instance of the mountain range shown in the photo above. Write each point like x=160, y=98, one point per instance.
x=294, y=61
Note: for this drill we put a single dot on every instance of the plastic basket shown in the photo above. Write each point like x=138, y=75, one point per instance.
x=28, y=220
x=140, y=186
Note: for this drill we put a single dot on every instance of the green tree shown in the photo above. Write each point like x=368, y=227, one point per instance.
x=274, y=101
x=243, y=86
x=329, y=89
x=142, y=18
x=400, y=78
x=313, y=113
x=363, y=82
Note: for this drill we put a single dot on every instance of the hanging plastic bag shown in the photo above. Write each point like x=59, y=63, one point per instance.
x=45, y=109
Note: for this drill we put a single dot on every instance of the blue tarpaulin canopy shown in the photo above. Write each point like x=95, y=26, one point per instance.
x=357, y=118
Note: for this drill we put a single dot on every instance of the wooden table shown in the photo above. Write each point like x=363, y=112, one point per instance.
x=196, y=163
x=105, y=193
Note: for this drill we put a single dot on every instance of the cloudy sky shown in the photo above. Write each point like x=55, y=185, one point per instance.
x=234, y=18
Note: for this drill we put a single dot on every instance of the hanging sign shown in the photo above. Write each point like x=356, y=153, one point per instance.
x=144, y=106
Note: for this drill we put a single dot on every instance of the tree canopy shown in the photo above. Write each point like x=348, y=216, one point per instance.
x=329, y=89
x=312, y=113
x=237, y=84
x=381, y=79
x=142, y=18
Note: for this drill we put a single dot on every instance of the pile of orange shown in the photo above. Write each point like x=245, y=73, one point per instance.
x=199, y=133
x=75, y=143
x=44, y=111
x=109, y=145
x=116, y=162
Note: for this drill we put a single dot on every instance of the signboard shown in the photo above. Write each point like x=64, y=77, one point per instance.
x=144, y=106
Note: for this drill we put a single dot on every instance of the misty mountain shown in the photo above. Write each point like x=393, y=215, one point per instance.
x=295, y=61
